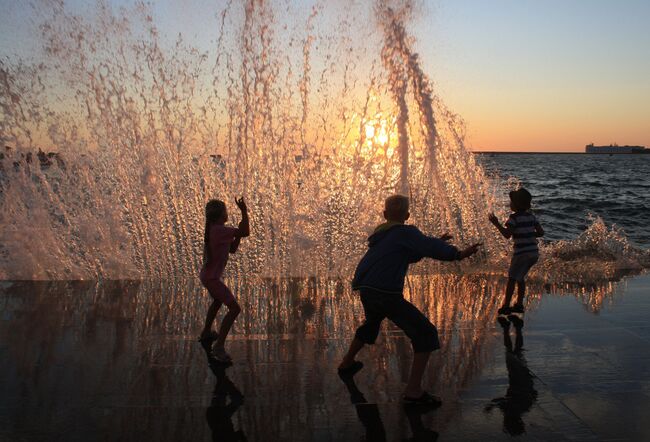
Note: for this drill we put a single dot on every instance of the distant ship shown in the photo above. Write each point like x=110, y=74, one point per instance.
x=615, y=148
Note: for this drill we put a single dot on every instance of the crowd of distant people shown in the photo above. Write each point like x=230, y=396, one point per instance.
x=25, y=159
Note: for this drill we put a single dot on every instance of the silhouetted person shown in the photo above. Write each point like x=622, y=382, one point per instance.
x=379, y=278
x=521, y=394
x=219, y=241
x=524, y=229
x=226, y=399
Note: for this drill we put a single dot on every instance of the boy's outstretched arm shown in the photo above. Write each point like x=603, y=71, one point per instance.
x=469, y=251
x=435, y=248
x=539, y=231
x=505, y=230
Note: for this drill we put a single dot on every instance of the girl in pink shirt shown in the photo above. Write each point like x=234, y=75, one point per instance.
x=220, y=240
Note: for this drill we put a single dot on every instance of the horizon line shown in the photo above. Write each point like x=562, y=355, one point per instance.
x=528, y=151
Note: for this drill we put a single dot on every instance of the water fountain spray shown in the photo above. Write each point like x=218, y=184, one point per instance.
x=148, y=129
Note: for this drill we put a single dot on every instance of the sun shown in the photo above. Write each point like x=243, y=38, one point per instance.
x=377, y=132
x=382, y=137
x=370, y=131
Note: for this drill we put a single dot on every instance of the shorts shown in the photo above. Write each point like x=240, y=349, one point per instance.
x=219, y=291
x=379, y=305
x=520, y=265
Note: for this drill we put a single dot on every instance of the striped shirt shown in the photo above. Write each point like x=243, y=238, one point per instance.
x=522, y=225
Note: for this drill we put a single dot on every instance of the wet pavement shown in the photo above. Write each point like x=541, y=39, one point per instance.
x=119, y=361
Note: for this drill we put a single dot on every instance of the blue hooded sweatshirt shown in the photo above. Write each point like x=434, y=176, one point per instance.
x=391, y=248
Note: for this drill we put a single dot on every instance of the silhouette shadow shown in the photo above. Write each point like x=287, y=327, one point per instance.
x=226, y=399
x=521, y=393
x=371, y=418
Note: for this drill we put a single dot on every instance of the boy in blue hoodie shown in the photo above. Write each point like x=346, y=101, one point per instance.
x=379, y=278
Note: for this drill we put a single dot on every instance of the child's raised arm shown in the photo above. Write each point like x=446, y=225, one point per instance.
x=234, y=245
x=243, y=230
x=539, y=231
x=505, y=230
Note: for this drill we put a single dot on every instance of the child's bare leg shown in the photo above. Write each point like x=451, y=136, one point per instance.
x=510, y=289
x=355, y=346
x=521, y=292
x=209, y=319
x=366, y=333
x=414, y=385
x=226, y=323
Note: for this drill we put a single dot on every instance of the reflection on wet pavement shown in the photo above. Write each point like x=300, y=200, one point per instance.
x=120, y=361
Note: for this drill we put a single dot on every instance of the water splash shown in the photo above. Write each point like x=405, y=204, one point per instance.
x=146, y=131
x=600, y=253
x=313, y=123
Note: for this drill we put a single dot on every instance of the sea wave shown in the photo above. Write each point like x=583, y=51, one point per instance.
x=601, y=252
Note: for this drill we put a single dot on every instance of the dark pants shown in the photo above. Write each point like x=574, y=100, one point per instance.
x=378, y=305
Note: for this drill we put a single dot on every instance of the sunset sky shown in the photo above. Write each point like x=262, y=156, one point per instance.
x=542, y=75
x=526, y=75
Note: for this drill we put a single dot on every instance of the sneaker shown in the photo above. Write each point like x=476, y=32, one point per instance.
x=504, y=311
x=517, y=308
x=221, y=355
x=207, y=340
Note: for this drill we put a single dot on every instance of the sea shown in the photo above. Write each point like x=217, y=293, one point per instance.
x=570, y=190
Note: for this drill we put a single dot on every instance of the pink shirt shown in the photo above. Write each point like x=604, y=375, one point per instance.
x=220, y=239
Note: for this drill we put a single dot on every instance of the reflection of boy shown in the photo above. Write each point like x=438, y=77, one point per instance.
x=371, y=419
x=524, y=229
x=379, y=277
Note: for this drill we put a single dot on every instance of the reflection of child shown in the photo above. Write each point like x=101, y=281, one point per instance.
x=521, y=393
x=379, y=277
x=220, y=412
x=219, y=241
x=524, y=229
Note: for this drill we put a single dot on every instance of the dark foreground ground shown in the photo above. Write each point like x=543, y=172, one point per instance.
x=118, y=361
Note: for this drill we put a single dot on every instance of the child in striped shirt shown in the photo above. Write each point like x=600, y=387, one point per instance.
x=524, y=228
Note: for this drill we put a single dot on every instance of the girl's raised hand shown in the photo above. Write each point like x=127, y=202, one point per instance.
x=241, y=204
